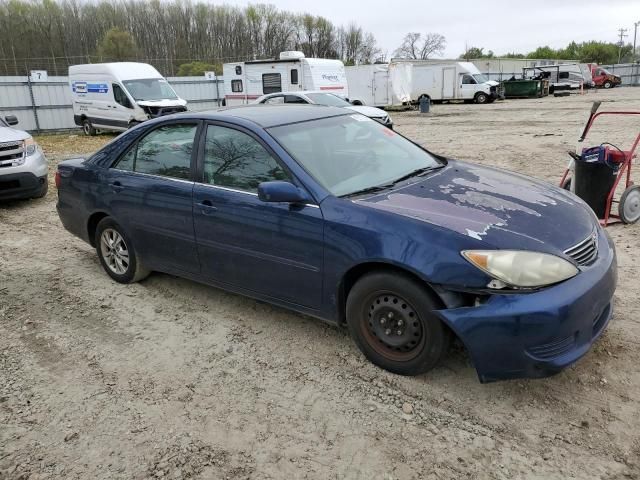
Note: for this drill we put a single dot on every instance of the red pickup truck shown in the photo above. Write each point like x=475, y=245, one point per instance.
x=603, y=78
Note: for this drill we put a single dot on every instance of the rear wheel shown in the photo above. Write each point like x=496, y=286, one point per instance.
x=87, y=128
x=629, y=206
x=390, y=317
x=116, y=253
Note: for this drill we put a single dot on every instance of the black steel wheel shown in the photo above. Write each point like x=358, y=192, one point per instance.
x=391, y=319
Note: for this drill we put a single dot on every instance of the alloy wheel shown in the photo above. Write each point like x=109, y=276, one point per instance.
x=114, y=251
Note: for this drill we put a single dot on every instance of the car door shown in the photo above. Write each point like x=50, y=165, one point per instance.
x=149, y=192
x=121, y=111
x=468, y=86
x=272, y=249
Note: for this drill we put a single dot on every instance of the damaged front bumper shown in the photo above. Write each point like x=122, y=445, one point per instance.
x=540, y=333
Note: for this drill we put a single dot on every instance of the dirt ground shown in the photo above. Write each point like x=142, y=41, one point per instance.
x=172, y=379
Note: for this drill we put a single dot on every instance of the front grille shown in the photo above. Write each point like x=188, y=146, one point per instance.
x=585, y=252
x=553, y=349
x=11, y=153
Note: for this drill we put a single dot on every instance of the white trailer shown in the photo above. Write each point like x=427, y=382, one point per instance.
x=564, y=76
x=244, y=82
x=407, y=81
x=380, y=85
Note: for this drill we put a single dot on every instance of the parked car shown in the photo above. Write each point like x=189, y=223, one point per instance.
x=329, y=213
x=329, y=99
x=23, y=166
x=603, y=78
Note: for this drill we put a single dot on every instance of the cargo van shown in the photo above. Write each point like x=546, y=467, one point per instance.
x=244, y=82
x=117, y=96
x=403, y=82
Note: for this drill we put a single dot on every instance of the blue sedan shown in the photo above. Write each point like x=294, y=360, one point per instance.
x=328, y=213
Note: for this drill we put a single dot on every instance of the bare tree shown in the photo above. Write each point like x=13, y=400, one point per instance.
x=418, y=47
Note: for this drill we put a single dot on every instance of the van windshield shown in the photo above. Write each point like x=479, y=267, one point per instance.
x=150, y=89
x=480, y=78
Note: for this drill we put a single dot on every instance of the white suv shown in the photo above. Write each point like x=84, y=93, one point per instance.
x=23, y=166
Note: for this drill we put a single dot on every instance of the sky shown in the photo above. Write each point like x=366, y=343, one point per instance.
x=499, y=25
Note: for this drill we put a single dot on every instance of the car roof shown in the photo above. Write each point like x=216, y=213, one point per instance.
x=268, y=116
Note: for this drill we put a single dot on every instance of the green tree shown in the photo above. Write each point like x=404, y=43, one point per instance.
x=117, y=45
x=543, y=52
x=476, y=52
x=197, y=69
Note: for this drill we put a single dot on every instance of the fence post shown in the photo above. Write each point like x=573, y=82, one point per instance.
x=33, y=102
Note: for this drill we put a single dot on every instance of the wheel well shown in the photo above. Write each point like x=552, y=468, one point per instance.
x=92, y=224
x=357, y=272
x=357, y=103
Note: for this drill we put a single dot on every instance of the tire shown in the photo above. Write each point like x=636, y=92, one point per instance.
x=607, y=84
x=629, y=206
x=133, y=124
x=383, y=297
x=45, y=188
x=116, y=253
x=87, y=128
x=481, y=98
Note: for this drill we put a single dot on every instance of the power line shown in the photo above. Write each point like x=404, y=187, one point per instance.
x=622, y=33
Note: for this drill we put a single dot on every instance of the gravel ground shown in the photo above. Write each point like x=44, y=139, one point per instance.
x=172, y=379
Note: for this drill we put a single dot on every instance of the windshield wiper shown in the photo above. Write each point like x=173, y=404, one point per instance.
x=418, y=172
x=375, y=188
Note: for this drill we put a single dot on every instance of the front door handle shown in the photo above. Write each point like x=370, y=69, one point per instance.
x=116, y=186
x=206, y=207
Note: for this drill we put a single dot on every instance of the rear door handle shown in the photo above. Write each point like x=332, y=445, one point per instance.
x=206, y=207
x=116, y=186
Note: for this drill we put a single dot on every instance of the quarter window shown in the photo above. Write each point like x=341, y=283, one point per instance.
x=166, y=151
x=236, y=86
x=271, y=83
x=234, y=159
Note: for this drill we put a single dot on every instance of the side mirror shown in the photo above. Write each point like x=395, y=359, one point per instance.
x=11, y=120
x=279, y=191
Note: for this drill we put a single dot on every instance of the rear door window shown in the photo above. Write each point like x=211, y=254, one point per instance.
x=165, y=152
x=271, y=83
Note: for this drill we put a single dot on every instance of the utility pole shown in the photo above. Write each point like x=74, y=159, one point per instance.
x=635, y=34
x=623, y=33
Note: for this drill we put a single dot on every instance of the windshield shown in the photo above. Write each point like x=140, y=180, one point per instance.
x=150, y=89
x=480, y=78
x=328, y=99
x=350, y=153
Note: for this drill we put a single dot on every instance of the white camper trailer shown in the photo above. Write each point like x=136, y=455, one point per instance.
x=116, y=96
x=564, y=76
x=407, y=81
x=244, y=82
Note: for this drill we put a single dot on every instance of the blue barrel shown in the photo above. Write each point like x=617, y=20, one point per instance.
x=425, y=104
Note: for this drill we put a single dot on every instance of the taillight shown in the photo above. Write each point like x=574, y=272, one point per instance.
x=58, y=179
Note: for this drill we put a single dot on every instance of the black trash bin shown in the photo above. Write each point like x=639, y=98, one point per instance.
x=425, y=103
x=594, y=178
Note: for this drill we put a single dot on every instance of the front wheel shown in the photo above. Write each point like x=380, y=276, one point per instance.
x=481, y=98
x=607, y=84
x=390, y=317
x=629, y=206
x=116, y=253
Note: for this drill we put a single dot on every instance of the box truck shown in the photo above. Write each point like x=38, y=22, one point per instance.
x=244, y=82
x=117, y=96
x=403, y=82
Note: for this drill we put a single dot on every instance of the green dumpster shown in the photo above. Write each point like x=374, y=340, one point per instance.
x=525, y=88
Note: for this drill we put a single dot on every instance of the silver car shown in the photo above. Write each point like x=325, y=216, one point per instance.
x=23, y=166
x=324, y=98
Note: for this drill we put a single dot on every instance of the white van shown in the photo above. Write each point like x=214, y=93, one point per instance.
x=244, y=82
x=117, y=96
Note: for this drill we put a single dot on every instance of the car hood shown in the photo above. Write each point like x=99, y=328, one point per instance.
x=492, y=83
x=8, y=134
x=162, y=103
x=502, y=209
x=372, y=112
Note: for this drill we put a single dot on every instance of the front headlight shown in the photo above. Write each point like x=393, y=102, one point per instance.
x=30, y=146
x=523, y=269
